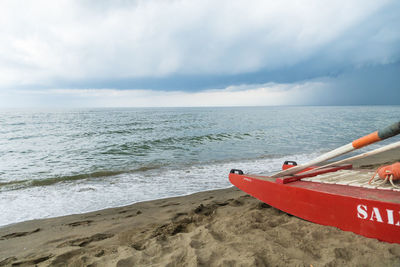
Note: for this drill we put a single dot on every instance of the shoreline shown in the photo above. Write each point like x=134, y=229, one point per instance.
x=223, y=227
x=109, y=208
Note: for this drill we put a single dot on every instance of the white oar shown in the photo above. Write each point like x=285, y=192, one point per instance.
x=374, y=137
x=361, y=156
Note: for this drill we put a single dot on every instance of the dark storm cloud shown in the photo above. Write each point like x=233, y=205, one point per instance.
x=192, y=46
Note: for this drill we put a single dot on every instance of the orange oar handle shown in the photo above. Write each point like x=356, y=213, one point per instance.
x=382, y=134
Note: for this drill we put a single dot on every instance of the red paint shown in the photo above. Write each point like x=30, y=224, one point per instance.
x=297, y=177
x=288, y=166
x=368, y=212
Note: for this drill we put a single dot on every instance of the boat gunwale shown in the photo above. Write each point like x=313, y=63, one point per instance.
x=382, y=195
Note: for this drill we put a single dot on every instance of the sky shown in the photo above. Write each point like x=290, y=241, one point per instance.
x=168, y=53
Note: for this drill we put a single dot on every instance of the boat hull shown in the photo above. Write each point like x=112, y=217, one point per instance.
x=369, y=212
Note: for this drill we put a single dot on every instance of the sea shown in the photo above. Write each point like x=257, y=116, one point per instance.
x=57, y=162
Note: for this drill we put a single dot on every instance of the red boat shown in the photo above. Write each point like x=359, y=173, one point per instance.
x=334, y=195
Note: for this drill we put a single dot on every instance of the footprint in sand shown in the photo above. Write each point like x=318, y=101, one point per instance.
x=19, y=234
x=170, y=204
x=7, y=261
x=60, y=260
x=205, y=210
x=173, y=228
x=139, y=245
x=82, y=242
x=343, y=253
x=237, y=203
x=126, y=262
x=178, y=215
x=196, y=244
x=99, y=253
x=31, y=262
x=132, y=215
x=80, y=223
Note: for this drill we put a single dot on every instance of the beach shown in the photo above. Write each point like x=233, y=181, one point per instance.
x=223, y=227
x=213, y=228
x=159, y=194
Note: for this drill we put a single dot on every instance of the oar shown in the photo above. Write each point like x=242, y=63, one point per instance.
x=361, y=156
x=374, y=137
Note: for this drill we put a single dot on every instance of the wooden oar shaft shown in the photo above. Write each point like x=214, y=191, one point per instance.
x=374, y=137
x=361, y=156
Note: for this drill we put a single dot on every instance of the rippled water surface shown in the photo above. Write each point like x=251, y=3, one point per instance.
x=57, y=162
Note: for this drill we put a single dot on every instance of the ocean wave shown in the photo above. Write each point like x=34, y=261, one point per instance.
x=22, y=184
x=141, y=184
x=112, y=132
x=178, y=143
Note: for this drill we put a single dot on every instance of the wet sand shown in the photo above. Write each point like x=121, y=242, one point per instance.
x=214, y=228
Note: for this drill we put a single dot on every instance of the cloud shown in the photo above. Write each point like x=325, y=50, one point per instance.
x=142, y=44
x=244, y=95
x=371, y=85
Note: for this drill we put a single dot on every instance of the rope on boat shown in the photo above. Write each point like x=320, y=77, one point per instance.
x=387, y=172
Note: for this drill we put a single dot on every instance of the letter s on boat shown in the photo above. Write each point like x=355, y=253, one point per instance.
x=362, y=212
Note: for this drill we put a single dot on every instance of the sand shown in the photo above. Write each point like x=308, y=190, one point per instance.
x=214, y=228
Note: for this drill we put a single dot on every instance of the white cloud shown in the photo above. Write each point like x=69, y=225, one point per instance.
x=44, y=41
x=244, y=95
